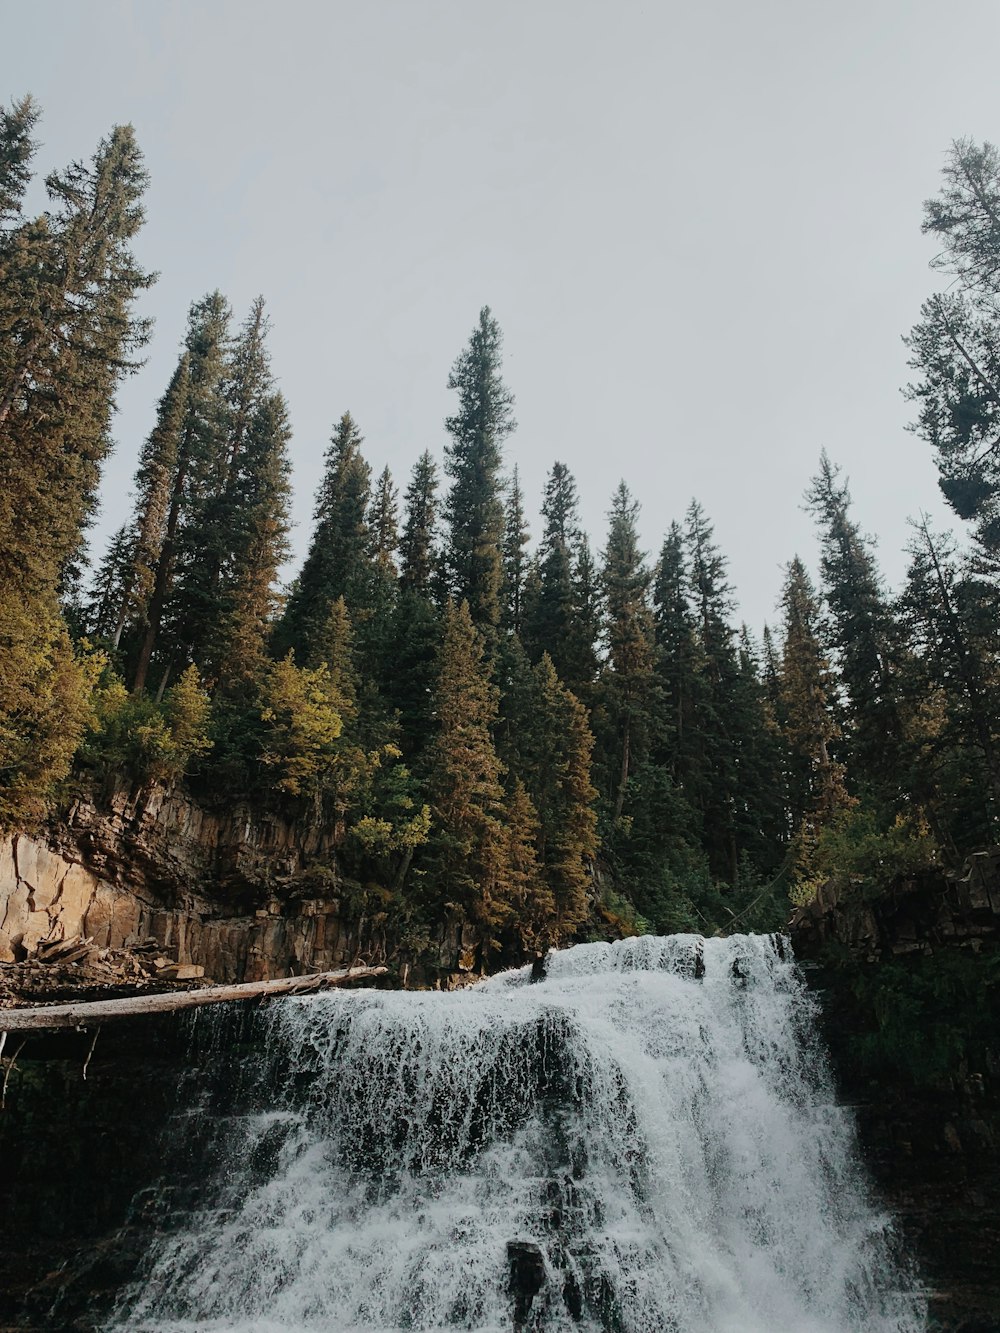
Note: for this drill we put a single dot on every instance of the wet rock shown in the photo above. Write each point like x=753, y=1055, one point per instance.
x=527, y=1277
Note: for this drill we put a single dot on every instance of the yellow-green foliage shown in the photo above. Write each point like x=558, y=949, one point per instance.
x=188, y=716
x=302, y=726
x=46, y=693
x=399, y=825
x=860, y=847
x=152, y=742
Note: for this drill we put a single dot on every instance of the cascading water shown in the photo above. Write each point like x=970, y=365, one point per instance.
x=646, y=1141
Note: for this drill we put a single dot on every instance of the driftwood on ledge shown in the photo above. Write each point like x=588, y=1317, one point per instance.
x=103, y=1011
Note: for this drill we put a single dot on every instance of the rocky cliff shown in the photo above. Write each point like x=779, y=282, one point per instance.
x=242, y=895
x=910, y=988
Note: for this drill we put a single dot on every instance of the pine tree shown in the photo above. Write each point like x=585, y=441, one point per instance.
x=227, y=474
x=67, y=335
x=473, y=460
x=464, y=774
x=676, y=659
x=16, y=151
x=862, y=634
x=417, y=544
x=761, y=801
x=412, y=637
x=108, y=590
x=247, y=600
x=515, y=539
x=413, y=643
x=338, y=563
x=714, y=784
x=337, y=650
x=806, y=693
x=557, y=771
x=153, y=481
x=629, y=631
x=532, y=903
x=383, y=519
x=950, y=614
x=206, y=348
x=550, y=615
x=580, y=662
x=955, y=348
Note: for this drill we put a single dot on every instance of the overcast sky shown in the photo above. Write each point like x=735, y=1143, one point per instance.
x=697, y=223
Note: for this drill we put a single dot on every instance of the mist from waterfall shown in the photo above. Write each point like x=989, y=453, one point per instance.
x=646, y=1141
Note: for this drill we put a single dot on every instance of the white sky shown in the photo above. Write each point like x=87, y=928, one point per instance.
x=697, y=223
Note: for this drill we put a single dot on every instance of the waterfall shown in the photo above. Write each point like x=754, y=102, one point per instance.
x=645, y=1141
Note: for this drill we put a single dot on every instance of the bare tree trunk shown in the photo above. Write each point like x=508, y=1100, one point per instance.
x=103, y=1011
x=623, y=780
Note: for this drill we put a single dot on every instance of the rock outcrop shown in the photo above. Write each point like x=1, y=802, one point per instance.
x=244, y=896
x=919, y=967
x=917, y=915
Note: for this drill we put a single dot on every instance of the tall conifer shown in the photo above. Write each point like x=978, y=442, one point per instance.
x=629, y=631
x=550, y=615
x=473, y=460
x=206, y=347
x=515, y=540
x=383, y=525
x=715, y=784
x=464, y=777
x=67, y=335
x=806, y=695
x=418, y=540
x=862, y=631
x=338, y=562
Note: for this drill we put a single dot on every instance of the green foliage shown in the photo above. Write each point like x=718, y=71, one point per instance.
x=46, y=704
x=927, y=1020
x=467, y=854
x=618, y=917
x=865, y=848
x=132, y=735
x=474, y=507
x=301, y=727
x=416, y=546
x=955, y=347
x=864, y=636
x=338, y=563
x=68, y=282
x=188, y=716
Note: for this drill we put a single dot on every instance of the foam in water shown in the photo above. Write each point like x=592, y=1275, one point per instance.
x=647, y=1141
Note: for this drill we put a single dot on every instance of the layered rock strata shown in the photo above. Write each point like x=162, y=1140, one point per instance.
x=229, y=893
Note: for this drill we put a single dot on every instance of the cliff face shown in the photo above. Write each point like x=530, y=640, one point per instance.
x=237, y=894
x=910, y=988
x=917, y=916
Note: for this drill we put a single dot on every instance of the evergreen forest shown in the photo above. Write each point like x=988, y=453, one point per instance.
x=555, y=734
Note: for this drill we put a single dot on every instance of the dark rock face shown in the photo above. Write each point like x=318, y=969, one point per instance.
x=76, y=1151
x=917, y=916
x=910, y=989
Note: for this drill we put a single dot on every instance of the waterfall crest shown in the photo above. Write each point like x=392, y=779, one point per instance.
x=645, y=1142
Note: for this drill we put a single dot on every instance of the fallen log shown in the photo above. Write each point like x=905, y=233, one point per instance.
x=103, y=1011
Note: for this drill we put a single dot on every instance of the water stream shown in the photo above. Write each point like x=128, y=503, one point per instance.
x=647, y=1141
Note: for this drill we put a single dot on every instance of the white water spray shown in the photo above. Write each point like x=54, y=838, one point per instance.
x=645, y=1142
